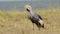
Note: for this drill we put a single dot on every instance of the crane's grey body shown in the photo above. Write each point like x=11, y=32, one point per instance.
x=35, y=18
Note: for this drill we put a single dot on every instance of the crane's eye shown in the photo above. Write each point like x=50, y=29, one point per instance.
x=28, y=10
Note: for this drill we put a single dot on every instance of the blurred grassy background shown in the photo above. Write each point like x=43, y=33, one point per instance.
x=16, y=22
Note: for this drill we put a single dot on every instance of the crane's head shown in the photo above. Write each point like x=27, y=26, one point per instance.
x=28, y=8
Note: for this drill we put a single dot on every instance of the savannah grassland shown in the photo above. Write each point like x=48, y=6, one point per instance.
x=16, y=22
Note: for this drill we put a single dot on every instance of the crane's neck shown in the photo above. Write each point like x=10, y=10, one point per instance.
x=30, y=12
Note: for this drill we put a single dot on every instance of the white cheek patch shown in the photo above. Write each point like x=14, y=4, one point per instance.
x=41, y=22
x=28, y=8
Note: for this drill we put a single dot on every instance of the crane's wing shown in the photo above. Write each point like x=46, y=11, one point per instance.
x=40, y=17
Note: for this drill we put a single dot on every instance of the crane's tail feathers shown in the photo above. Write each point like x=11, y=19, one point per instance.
x=42, y=23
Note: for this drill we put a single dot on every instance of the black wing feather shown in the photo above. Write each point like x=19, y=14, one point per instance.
x=40, y=17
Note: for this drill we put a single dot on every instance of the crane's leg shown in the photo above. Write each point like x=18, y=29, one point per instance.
x=33, y=26
x=39, y=25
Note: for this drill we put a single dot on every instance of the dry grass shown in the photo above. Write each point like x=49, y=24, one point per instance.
x=16, y=22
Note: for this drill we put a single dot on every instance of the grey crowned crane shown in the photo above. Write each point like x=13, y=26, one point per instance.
x=35, y=18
